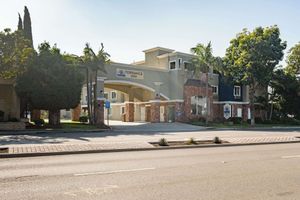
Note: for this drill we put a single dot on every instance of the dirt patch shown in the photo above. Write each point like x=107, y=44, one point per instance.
x=4, y=150
x=188, y=143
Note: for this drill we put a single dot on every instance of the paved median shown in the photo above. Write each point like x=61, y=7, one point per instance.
x=28, y=150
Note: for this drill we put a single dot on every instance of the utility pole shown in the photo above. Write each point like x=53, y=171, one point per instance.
x=207, y=101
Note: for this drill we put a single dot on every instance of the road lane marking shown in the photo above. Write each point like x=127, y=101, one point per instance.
x=91, y=191
x=294, y=156
x=114, y=171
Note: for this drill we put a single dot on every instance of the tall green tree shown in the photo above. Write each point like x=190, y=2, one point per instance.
x=252, y=57
x=94, y=63
x=20, y=23
x=203, y=63
x=293, y=60
x=286, y=93
x=51, y=83
x=15, y=53
x=27, y=25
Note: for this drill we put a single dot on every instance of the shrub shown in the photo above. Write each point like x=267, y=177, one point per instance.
x=284, y=120
x=13, y=119
x=236, y=120
x=83, y=119
x=191, y=141
x=1, y=116
x=163, y=142
x=290, y=121
x=258, y=120
x=217, y=140
x=39, y=122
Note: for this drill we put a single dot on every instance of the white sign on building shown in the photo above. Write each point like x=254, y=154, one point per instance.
x=127, y=73
x=227, y=111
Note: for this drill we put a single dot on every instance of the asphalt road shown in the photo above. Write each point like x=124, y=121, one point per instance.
x=247, y=172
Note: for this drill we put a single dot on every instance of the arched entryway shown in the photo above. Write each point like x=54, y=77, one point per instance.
x=134, y=102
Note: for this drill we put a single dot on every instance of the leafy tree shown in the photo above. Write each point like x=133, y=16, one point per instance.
x=293, y=60
x=51, y=83
x=15, y=53
x=204, y=62
x=27, y=25
x=252, y=57
x=286, y=93
x=20, y=23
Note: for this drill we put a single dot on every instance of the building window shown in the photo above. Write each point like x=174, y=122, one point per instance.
x=179, y=63
x=214, y=89
x=198, y=105
x=239, y=112
x=122, y=110
x=172, y=65
x=237, y=91
x=113, y=95
x=105, y=95
x=186, y=65
x=122, y=100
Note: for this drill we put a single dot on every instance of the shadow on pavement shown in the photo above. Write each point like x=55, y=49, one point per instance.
x=122, y=129
x=125, y=129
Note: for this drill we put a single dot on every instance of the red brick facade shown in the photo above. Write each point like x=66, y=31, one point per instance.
x=218, y=110
x=190, y=91
x=129, y=111
x=155, y=112
x=100, y=113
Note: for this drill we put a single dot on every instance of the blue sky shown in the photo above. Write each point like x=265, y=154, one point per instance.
x=126, y=27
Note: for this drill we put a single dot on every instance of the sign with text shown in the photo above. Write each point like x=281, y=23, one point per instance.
x=107, y=104
x=127, y=73
x=227, y=111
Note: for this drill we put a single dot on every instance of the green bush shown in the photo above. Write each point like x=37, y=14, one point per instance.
x=217, y=140
x=269, y=122
x=1, y=116
x=83, y=119
x=236, y=120
x=285, y=120
x=191, y=141
x=39, y=122
x=290, y=121
x=13, y=119
x=163, y=142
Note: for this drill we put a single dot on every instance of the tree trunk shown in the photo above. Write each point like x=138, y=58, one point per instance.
x=252, y=108
x=91, y=101
x=272, y=106
x=54, y=117
x=88, y=96
x=35, y=115
x=95, y=97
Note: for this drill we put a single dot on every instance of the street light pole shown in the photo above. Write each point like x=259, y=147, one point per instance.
x=207, y=101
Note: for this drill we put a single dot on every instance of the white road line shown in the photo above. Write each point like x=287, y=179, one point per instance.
x=294, y=156
x=114, y=171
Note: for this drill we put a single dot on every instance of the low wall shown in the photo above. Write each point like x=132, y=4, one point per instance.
x=4, y=126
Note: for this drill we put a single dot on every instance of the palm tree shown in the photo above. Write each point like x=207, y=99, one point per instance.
x=203, y=62
x=94, y=63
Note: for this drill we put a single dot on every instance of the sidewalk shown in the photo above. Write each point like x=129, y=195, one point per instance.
x=105, y=146
x=121, y=139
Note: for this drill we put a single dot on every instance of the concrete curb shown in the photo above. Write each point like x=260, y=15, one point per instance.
x=23, y=155
x=256, y=129
x=22, y=132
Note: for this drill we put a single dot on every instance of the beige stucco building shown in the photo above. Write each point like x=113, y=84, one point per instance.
x=158, y=81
